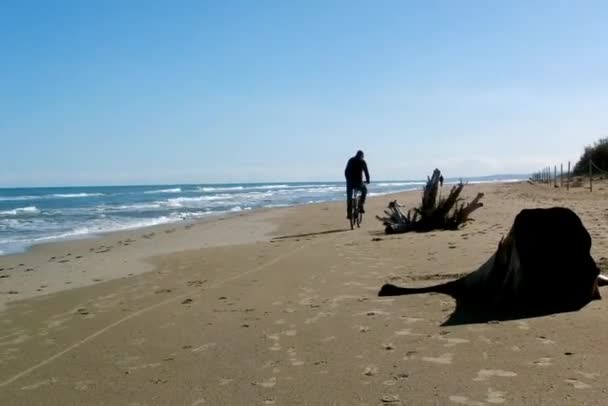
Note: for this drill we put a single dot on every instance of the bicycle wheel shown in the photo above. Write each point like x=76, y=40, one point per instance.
x=359, y=215
x=354, y=214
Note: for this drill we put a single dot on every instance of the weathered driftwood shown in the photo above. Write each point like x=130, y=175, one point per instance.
x=543, y=266
x=435, y=212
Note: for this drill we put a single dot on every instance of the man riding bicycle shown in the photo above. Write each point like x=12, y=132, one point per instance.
x=355, y=168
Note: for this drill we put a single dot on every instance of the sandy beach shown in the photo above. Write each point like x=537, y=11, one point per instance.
x=279, y=307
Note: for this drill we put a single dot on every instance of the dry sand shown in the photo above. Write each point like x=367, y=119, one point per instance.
x=220, y=313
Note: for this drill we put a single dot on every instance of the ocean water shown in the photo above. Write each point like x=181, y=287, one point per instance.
x=39, y=215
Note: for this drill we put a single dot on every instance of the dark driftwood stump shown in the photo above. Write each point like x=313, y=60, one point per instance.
x=543, y=266
x=435, y=213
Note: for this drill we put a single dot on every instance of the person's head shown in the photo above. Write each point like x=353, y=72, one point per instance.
x=360, y=154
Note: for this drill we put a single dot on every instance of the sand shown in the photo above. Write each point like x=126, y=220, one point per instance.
x=279, y=307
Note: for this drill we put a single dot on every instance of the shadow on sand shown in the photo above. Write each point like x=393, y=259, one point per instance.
x=287, y=237
x=471, y=313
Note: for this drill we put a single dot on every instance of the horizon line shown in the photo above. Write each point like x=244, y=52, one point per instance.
x=249, y=183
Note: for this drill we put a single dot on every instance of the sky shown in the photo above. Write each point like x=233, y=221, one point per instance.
x=147, y=92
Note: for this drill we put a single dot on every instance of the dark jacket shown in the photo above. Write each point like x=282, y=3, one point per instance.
x=354, y=171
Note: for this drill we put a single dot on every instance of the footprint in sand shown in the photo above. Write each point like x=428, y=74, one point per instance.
x=319, y=316
x=496, y=397
x=83, y=385
x=486, y=374
x=445, y=359
x=588, y=375
x=390, y=399
x=373, y=313
x=204, y=347
x=543, y=362
x=546, y=341
x=452, y=342
x=577, y=384
x=371, y=370
x=269, y=383
x=463, y=400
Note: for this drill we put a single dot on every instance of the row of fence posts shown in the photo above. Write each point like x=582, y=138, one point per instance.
x=549, y=176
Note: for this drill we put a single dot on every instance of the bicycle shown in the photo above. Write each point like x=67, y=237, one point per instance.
x=356, y=217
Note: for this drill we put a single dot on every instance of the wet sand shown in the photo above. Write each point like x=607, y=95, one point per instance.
x=279, y=307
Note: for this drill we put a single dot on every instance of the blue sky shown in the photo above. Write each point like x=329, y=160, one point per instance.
x=119, y=92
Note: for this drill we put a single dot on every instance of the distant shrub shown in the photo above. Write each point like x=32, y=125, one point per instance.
x=598, y=153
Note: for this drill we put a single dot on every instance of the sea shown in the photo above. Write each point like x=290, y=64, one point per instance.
x=30, y=216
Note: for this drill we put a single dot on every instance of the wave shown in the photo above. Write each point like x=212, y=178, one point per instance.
x=130, y=207
x=196, y=201
x=209, y=189
x=21, y=211
x=17, y=198
x=174, y=190
x=220, y=189
x=71, y=195
x=99, y=226
x=270, y=187
x=51, y=196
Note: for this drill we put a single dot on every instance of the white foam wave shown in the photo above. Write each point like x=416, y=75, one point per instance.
x=264, y=187
x=21, y=211
x=98, y=226
x=17, y=198
x=174, y=190
x=208, y=189
x=72, y=195
x=196, y=201
x=131, y=207
x=220, y=189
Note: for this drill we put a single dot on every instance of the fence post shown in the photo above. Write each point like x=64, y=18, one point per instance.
x=590, y=175
x=568, y=181
x=554, y=176
x=561, y=176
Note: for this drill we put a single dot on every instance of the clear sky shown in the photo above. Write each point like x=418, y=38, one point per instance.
x=119, y=92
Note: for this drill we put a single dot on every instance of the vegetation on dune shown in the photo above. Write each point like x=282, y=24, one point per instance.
x=597, y=153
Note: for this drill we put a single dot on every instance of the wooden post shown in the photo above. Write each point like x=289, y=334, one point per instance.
x=561, y=176
x=554, y=176
x=590, y=176
x=568, y=181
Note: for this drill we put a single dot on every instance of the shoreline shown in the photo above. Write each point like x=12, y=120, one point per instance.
x=24, y=247
x=56, y=266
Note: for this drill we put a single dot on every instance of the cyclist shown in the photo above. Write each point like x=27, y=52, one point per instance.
x=355, y=168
